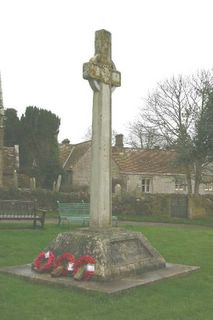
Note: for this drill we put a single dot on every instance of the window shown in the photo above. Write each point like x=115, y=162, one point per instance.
x=180, y=184
x=146, y=185
x=208, y=187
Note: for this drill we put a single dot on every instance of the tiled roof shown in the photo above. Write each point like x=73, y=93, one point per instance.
x=145, y=161
x=70, y=154
x=129, y=160
x=64, y=152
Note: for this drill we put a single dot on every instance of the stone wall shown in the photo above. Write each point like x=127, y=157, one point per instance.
x=82, y=170
x=8, y=181
x=158, y=184
x=115, y=170
x=196, y=207
x=164, y=183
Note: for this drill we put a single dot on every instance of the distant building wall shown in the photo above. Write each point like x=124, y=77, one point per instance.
x=145, y=183
x=8, y=180
x=78, y=174
x=82, y=171
x=115, y=170
x=170, y=184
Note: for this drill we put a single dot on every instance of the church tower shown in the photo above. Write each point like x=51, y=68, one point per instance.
x=2, y=117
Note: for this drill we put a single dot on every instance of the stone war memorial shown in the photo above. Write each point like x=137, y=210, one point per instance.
x=123, y=259
x=116, y=251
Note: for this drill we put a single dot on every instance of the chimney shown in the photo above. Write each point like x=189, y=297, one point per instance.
x=119, y=140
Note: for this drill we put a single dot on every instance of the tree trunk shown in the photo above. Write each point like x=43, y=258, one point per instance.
x=189, y=180
x=198, y=174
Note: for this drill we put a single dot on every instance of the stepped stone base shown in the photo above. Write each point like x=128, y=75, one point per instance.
x=117, y=252
x=124, y=260
x=110, y=287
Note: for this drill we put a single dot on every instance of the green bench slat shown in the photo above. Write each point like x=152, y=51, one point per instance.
x=76, y=213
x=73, y=212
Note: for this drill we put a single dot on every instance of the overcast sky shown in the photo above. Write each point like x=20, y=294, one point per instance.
x=44, y=43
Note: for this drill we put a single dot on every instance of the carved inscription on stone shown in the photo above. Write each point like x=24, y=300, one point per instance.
x=128, y=251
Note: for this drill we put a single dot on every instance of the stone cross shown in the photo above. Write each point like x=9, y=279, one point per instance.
x=103, y=77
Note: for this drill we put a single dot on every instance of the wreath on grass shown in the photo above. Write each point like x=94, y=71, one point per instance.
x=84, y=268
x=64, y=265
x=44, y=262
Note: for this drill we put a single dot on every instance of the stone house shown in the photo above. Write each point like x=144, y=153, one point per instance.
x=9, y=156
x=134, y=171
x=75, y=160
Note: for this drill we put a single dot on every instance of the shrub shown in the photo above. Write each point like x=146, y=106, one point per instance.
x=148, y=204
x=46, y=199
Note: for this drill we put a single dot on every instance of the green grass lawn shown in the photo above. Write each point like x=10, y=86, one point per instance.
x=208, y=220
x=184, y=298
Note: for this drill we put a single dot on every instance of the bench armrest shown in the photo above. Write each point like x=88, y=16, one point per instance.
x=43, y=213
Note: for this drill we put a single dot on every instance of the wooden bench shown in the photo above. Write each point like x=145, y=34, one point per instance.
x=21, y=210
x=76, y=213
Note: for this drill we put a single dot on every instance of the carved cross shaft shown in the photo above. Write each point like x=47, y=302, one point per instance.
x=100, y=67
x=102, y=75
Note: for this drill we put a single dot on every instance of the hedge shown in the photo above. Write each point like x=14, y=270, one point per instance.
x=148, y=204
x=46, y=199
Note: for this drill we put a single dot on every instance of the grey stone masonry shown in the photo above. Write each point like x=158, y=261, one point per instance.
x=117, y=252
x=103, y=77
x=101, y=67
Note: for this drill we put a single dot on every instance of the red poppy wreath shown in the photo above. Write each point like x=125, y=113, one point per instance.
x=64, y=265
x=84, y=268
x=44, y=262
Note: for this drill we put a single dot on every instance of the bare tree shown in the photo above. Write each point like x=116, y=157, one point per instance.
x=88, y=134
x=144, y=136
x=173, y=111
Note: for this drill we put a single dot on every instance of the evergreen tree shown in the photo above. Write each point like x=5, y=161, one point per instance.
x=12, y=128
x=39, y=146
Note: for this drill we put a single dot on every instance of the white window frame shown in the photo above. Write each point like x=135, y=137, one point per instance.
x=208, y=187
x=180, y=184
x=146, y=184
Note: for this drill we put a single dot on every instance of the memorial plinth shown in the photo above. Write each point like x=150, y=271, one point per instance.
x=118, y=252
